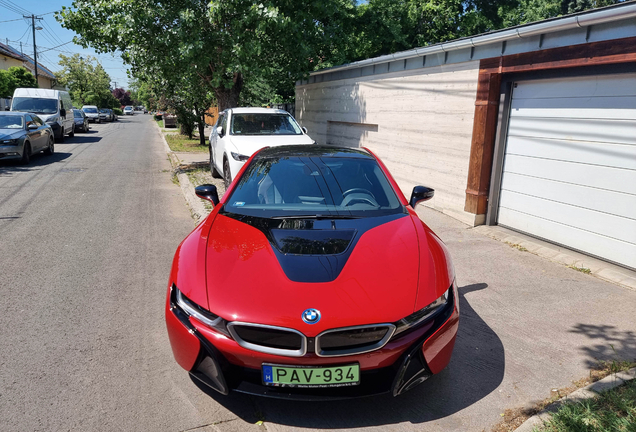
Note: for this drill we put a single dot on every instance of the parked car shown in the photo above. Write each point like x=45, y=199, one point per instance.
x=81, y=121
x=313, y=278
x=54, y=107
x=106, y=115
x=239, y=132
x=128, y=110
x=24, y=134
x=92, y=113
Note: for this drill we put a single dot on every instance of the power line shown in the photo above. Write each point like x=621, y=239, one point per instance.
x=17, y=19
x=13, y=7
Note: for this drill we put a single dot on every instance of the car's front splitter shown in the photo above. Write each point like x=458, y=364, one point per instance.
x=431, y=343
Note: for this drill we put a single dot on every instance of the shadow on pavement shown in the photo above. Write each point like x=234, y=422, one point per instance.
x=476, y=369
x=610, y=343
x=82, y=139
x=37, y=160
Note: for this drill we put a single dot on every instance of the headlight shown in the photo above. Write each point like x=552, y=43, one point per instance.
x=194, y=310
x=239, y=157
x=10, y=141
x=421, y=315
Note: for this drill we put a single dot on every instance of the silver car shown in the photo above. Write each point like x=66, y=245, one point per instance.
x=22, y=135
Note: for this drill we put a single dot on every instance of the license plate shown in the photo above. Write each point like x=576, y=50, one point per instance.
x=311, y=376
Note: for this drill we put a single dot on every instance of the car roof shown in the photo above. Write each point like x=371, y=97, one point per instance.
x=313, y=150
x=257, y=110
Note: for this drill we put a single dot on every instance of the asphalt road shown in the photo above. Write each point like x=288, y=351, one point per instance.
x=86, y=242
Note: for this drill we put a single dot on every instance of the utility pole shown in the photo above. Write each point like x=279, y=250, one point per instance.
x=35, y=53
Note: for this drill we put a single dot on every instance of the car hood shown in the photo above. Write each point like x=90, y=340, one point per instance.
x=249, y=144
x=374, y=281
x=6, y=134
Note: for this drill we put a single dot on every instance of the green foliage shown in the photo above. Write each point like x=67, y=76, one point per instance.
x=87, y=81
x=118, y=111
x=214, y=45
x=7, y=84
x=15, y=77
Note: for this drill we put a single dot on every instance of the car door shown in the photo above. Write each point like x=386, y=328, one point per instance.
x=42, y=136
x=32, y=134
x=216, y=142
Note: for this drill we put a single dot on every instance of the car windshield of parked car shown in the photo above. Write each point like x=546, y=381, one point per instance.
x=11, y=122
x=34, y=105
x=103, y=110
x=78, y=114
x=313, y=186
x=90, y=110
x=264, y=124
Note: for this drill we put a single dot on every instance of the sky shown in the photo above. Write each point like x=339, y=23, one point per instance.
x=17, y=29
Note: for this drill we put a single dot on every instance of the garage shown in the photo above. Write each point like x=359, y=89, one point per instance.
x=569, y=169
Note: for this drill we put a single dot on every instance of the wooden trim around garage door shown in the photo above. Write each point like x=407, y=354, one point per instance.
x=487, y=102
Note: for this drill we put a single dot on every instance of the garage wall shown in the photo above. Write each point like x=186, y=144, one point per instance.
x=419, y=123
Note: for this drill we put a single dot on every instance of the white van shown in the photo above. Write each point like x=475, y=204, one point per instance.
x=53, y=106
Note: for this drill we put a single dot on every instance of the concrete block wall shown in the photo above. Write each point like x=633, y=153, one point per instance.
x=419, y=122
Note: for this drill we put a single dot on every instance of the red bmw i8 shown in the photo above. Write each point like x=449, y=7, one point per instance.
x=313, y=278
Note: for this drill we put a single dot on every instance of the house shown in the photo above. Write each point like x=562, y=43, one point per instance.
x=532, y=127
x=9, y=57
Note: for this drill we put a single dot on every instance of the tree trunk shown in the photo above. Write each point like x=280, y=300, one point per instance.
x=229, y=97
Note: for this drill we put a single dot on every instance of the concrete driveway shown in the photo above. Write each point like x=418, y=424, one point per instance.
x=527, y=326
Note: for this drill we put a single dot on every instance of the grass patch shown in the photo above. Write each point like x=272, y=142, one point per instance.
x=181, y=143
x=517, y=246
x=580, y=269
x=513, y=418
x=160, y=123
x=612, y=411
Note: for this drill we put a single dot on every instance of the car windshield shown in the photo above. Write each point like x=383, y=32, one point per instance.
x=103, y=110
x=34, y=105
x=90, y=110
x=313, y=186
x=11, y=122
x=264, y=124
x=78, y=114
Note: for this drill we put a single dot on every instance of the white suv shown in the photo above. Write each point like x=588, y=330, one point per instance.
x=240, y=132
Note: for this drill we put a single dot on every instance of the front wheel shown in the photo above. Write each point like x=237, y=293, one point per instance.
x=72, y=134
x=61, y=137
x=227, y=175
x=51, y=148
x=213, y=170
x=26, y=154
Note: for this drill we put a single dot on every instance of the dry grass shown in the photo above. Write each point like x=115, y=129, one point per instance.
x=580, y=269
x=517, y=246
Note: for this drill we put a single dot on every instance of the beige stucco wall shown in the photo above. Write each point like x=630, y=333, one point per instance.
x=419, y=123
x=7, y=62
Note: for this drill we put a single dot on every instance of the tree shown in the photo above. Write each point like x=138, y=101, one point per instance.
x=219, y=42
x=122, y=96
x=7, y=84
x=87, y=81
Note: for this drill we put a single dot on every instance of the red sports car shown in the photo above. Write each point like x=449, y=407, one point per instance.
x=313, y=278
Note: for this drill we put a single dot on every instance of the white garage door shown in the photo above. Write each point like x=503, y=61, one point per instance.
x=569, y=173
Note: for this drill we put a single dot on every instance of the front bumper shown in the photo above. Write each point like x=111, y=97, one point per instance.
x=221, y=364
x=11, y=152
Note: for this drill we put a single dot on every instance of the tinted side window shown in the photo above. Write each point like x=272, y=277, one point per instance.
x=38, y=121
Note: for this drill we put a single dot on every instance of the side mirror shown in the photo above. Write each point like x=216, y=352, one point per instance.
x=219, y=131
x=63, y=112
x=207, y=192
x=32, y=126
x=304, y=129
x=419, y=194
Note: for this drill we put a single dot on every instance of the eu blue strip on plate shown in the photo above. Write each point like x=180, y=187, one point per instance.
x=268, y=375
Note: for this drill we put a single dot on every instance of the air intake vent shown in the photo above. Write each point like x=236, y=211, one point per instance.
x=353, y=340
x=269, y=339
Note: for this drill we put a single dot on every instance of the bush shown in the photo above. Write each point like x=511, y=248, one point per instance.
x=158, y=116
x=118, y=111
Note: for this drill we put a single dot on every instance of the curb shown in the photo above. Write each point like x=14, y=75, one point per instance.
x=588, y=392
x=187, y=188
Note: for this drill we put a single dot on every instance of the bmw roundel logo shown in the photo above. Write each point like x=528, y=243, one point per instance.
x=311, y=316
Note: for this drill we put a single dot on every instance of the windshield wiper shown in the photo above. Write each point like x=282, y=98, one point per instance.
x=316, y=216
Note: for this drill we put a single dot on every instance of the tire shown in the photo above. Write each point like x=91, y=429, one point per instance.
x=26, y=154
x=72, y=134
x=215, y=173
x=51, y=148
x=227, y=175
x=61, y=137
